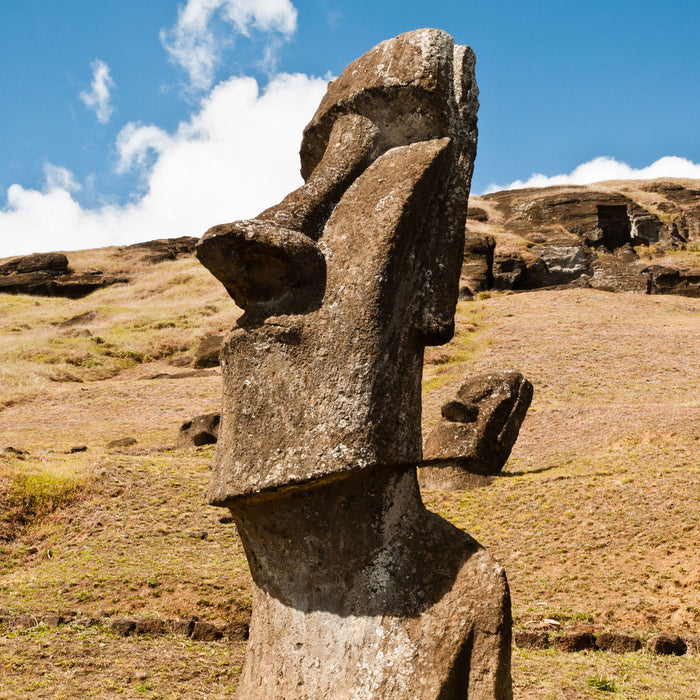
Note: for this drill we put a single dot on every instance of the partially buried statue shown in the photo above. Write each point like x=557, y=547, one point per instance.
x=359, y=591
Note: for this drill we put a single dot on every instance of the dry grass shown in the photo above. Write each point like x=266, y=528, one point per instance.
x=595, y=518
x=160, y=314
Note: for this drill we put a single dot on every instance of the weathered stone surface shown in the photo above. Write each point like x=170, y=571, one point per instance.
x=201, y=430
x=664, y=280
x=477, y=266
x=47, y=283
x=617, y=642
x=122, y=626
x=564, y=261
x=561, y=229
x=578, y=640
x=477, y=431
x=358, y=590
x=611, y=274
x=122, y=442
x=477, y=214
x=668, y=644
x=509, y=270
x=153, y=626
x=238, y=630
x=208, y=350
x=47, y=262
x=205, y=632
x=183, y=627
x=162, y=249
x=527, y=639
x=25, y=621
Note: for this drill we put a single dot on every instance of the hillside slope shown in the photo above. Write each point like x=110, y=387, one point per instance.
x=596, y=516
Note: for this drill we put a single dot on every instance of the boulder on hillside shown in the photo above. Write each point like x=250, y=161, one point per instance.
x=477, y=431
x=162, y=249
x=201, y=430
x=48, y=274
x=477, y=265
x=613, y=274
x=48, y=262
x=207, y=354
x=509, y=270
x=668, y=280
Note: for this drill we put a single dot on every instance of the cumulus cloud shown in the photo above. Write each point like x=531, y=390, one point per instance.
x=58, y=178
x=137, y=142
x=233, y=158
x=193, y=43
x=98, y=97
x=607, y=168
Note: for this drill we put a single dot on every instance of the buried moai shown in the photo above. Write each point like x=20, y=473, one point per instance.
x=476, y=434
x=358, y=590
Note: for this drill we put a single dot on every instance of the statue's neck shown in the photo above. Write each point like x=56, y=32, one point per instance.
x=329, y=546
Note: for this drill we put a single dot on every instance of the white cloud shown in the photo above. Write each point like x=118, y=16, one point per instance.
x=58, y=178
x=137, y=142
x=98, y=97
x=232, y=159
x=607, y=168
x=194, y=45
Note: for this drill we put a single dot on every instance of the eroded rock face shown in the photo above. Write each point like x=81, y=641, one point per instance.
x=568, y=235
x=358, y=590
x=200, y=430
x=48, y=274
x=477, y=431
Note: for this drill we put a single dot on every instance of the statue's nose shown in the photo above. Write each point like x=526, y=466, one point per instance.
x=260, y=261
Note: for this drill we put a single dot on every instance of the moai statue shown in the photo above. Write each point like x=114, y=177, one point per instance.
x=359, y=591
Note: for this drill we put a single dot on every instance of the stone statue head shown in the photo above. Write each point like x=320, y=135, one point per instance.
x=349, y=278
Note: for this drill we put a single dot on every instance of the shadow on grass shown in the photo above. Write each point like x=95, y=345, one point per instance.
x=529, y=471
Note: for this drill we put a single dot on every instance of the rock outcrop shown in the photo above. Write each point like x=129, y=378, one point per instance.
x=48, y=274
x=477, y=431
x=555, y=236
x=162, y=249
x=359, y=592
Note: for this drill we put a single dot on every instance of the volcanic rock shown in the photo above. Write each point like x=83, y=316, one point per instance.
x=531, y=640
x=201, y=430
x=358, y=590
x=617, y=642
x=477, y=431
x=477, y=266
x=208, y=350
x=668, y=644
x=578, y=640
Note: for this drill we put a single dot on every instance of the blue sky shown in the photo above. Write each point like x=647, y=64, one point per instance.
x=128, y=120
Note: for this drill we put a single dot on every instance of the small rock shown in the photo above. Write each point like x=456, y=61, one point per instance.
x=25, y=621
x=78, y=448
x=122, y=626
x=668, y=644
x=205, y=632
x=617, y=642
x=575, y=641
x=122, y=442
x=183, y=627
x=54, y=620
x=207, y=354
x=201, y=430
x=154, y=627
x=531, y=640
x=238, y=630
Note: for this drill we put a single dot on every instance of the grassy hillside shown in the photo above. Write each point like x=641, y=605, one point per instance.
x=595, y=517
